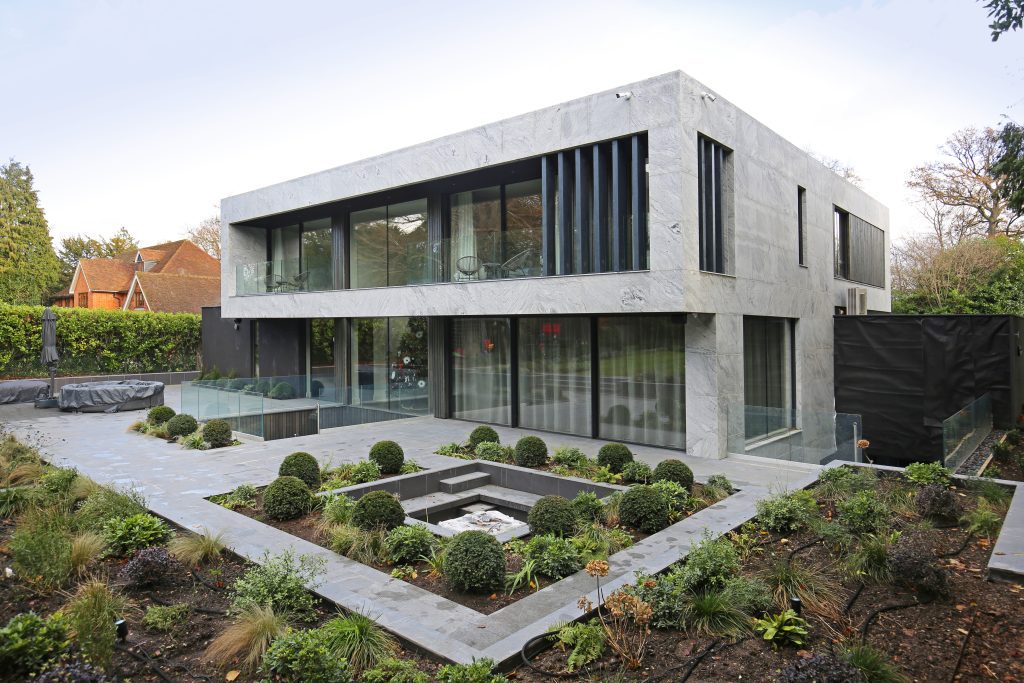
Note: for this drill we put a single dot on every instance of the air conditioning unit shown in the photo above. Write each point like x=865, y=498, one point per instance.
x=856, y=301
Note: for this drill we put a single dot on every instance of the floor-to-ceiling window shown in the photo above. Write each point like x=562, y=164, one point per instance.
x=283, y=269
x=767, y=375
x=316, y=256
x=642, y=366
x=481, y=381
x=554, y=374
x=322, y=378
x=389, y=245
x=368, y=263
x=389, y=364
x=496, y=232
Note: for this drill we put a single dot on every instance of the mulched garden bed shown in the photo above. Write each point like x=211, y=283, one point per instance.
x=1007, y=463
x=973, y=463
x=983, y=620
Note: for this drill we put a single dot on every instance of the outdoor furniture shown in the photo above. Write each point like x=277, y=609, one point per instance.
x=468, y=267
x=296, y=283
x=516, y=264
x=24, y=390
x=112, y=396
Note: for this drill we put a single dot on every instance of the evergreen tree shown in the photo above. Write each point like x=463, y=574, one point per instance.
x=28, y=265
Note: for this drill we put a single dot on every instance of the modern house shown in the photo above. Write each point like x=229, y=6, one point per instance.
x=173, y=277
x=648, y=265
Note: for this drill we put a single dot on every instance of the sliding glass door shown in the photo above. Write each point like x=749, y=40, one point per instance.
x=767, y=376
x=554, y=374
x=481, y=370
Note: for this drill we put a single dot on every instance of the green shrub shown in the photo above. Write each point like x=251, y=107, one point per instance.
x=263, y=387
x=675, y=471
x=392, y=670
x=474, y=561
x=493, y=452
x=720, y=481
x=925, y=473
x=301, y=656
x=585, y=642
x=588, y=507
x=864, y=512
x=165, y=618
x=303, y=466
x=709, y=565
x=480, y=671
x=983, y=521
x=91, y=614
x=680, y=502
x=181, y=425
x=106, y=504
x=531, y=451
x=126, y=535
x=481, y=434
x=41, y=548
x=287, y=498
x=364, y=472
x=217, y=433
x=637, y=472
x=243, y=496
x=358, y=544
x=555, y=557
x=158, y=415
x=785, y=628
x=614, y=456
x=279, y=582
x=359, y=640
x=378, y=509
x=337, y=509
x=28, y=642
x=238, y=384
x=569, y=456
x=95, y=341
x=58, y=480
x=644, y=508
x=282, y=391
x=753, y=596
x=407, y=544
x=874, y=666
x=870, y=560
x=784, y=513
x=552, y=515
x=388, y=456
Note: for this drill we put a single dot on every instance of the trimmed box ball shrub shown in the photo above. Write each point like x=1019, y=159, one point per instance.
x=263, y=387
x=378, y=509
x=182, y=425
x=159, y=414
x=614, y=456
x=474, y=561
x=552, y=515
x=217, y=433
x=388, y=455
x=644, y=508
x=481, y=434
x=637, y=472
x=675, y=471
x=301, y=465
x=531, y=451
x=282, y=391
x=287, y=498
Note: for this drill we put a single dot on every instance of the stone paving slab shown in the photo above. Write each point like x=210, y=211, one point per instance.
x=175, y=482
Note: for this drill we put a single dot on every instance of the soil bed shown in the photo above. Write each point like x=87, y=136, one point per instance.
x=923, y=641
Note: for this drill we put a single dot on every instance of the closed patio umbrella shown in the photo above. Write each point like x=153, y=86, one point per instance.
x=48, y=356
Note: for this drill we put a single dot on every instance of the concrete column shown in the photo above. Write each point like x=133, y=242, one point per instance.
x=714, y=383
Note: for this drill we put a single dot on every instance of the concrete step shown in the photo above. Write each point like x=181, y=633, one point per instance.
x=464, y=482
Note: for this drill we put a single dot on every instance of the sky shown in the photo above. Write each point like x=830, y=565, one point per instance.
x=145, y=113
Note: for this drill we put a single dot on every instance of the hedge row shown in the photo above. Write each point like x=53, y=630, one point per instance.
x=92, y=341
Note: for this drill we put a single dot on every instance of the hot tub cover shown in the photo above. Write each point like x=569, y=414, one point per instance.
x=23, y=390
x=111, y=396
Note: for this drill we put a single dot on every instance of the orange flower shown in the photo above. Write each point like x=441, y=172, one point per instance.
x=597, y=568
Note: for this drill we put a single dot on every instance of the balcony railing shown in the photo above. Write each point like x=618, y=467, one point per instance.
x=488, y=256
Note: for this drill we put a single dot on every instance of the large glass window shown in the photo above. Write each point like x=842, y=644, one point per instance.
x=369, y=248
x=407, y=243
x=322, y=378
x=496, y=232
x=389, y=364
x=481, y=370
x=714, y=223
x=642, y=370
x=554, y=374
x=767, y=375
x=317, y=255
x=284, y=267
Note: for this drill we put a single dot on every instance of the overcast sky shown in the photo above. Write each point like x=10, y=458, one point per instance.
x=145, y=113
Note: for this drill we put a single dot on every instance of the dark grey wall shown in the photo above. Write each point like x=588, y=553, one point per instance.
x=224, y=347
x=282, y=346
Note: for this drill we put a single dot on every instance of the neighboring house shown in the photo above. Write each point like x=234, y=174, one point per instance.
x=174, y=277
x=648, y=265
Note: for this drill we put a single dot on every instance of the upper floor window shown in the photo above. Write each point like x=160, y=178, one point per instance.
x=714, y=202
x=496, y=232
x=389, y=246
x=140, y=301
x=300, y=257
x=801, y=227
x=859, y=249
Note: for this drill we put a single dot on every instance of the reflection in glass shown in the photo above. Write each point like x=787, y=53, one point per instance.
x=481, y=370
x=642, y=389
x=368, y=244
x=407, y=243
x=284, y=259
x=767, y=376
x=322, y=380
x=389, y=364
x=496, y=232
x=317, y=252
x=554, y=374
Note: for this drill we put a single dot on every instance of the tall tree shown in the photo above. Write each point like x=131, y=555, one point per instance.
x=28, y=264
x=206, y=236
x=77, y=247
x=842, y=170
x=964, y=182
x=1010, y=166
x=1006, y=15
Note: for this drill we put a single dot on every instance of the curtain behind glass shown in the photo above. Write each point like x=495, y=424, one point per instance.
x=554, y=374
x=407, y=243
x=643, y=369
x=476, y=233
x=481, y=370
x=523, y=216
x=767, y=382
x=284, y=256
x=370, y=362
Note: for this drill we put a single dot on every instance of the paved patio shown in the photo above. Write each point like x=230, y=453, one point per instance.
x=175, y=482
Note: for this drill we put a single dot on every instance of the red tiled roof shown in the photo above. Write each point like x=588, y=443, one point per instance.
x=173, y=293
x=107, y=275
x=181, y=257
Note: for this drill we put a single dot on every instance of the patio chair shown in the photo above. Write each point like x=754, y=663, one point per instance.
x=468, y=267
x=516, y=264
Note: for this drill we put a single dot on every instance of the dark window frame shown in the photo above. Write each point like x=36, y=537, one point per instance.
x=801, y=225
x=714, y=198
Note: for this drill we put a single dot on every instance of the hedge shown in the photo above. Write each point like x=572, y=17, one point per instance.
x=95, y=341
